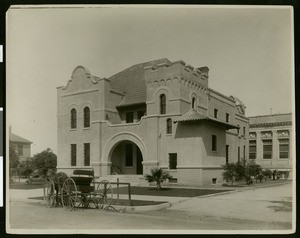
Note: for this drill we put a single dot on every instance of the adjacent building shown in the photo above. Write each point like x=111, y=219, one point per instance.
x=21, y=145
x=270, y=142
x=154, y=114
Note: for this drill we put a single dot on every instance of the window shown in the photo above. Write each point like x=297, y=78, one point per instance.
x=173, y=161
x=73, y=118
x=128, y=155
x=86, y=117
x=215, y=113
x=129, y=117
x=284, y=149
x=169, y=126
x=244, y=131
x=193, y=102
x=227, y=117
x=162, y=104
x=267, y=149
x=140, y=114
x=252, y=149
x=214, y=180
x=20, y=150
x=244, y=152
x=238, y=129
x=86, y=154
x=214, y=143
x=227, y=154
x=73, y=154
x=239, y=154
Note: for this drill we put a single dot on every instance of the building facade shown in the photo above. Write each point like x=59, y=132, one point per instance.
x=21, y=145
x=270, y=142
x=153, y=114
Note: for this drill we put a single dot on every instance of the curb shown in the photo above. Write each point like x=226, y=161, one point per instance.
x=132, y=209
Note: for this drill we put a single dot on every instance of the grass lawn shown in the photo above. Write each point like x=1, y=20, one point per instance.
x=169, y=192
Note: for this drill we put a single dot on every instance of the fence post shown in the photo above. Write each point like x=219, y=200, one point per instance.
x=117, y=190
x=129, y=194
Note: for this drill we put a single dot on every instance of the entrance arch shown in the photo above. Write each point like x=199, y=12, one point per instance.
x=125, y=152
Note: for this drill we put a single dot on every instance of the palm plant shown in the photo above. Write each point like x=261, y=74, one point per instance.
x=157, y=175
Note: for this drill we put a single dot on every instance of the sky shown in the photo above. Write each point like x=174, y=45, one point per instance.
x=249, y=52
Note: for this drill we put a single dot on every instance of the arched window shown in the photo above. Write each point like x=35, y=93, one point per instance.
x=73, y=118
x=86, y=117
x=162, y=104
x=169, y=126
x=193, y=102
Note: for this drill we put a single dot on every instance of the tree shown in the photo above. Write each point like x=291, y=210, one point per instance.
x=13, y=161
x=157, y=175
x=44, y=161
x=26, y=167
x=229, y=173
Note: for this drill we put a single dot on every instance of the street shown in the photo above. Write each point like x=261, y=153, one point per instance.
x=267, y=208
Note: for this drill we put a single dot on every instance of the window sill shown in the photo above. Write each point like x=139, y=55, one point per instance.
x=169, y=134
x=73, y=129
x=86, y=128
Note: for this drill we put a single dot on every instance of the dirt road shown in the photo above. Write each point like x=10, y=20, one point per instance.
x=193, y=215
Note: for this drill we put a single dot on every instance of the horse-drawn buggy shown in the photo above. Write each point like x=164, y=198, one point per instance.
x=78, y=190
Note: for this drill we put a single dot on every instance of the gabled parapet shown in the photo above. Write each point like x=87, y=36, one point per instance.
x=79, y=72
x=178, y=71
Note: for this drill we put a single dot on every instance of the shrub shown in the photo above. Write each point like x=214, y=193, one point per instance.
x=157, y=175
x=230, y=172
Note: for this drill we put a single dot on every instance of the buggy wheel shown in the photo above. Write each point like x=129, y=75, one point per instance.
x=104, y=193
x=69, y=194
x=50, y=194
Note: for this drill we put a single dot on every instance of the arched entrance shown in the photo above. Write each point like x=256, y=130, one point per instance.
x=124, y=153
x=126, y=158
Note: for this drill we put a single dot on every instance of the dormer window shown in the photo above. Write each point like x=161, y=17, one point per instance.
x=162, y=104
x=73, y=118
x=86, y=116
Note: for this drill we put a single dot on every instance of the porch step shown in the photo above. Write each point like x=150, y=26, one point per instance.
x=133, y=179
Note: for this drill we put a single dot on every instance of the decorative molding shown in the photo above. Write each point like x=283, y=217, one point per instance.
x=266, y=134
x=283, y=133
x=271, y=124
x=252, y=135
x=82, y=92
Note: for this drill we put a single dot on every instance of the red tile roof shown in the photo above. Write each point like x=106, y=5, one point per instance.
x=193, y=115
x=131, y=81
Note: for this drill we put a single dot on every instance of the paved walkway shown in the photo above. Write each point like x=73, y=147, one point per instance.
x=261, y=204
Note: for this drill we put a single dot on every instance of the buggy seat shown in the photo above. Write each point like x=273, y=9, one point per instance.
x=83, y=180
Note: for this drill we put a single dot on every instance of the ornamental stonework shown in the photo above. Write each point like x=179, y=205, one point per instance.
x=266, y=134
x=284, y=133
x=252, y=135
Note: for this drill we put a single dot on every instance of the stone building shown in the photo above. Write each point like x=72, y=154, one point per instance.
x=21, y=145
x=154, y=114
x=270, y=142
